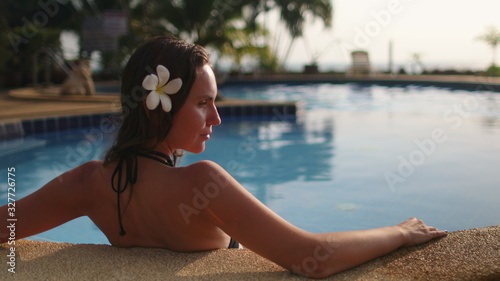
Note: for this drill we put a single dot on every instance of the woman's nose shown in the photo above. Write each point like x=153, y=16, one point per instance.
x=214, y=118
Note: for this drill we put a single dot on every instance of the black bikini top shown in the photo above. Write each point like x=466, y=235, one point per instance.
x=131, y=170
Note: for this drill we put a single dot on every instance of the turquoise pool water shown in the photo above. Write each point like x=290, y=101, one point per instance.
x=359, y=156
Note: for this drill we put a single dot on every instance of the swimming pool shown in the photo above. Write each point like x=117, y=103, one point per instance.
x=359, y=156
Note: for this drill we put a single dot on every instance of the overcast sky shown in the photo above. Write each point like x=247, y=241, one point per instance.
x=442, y=31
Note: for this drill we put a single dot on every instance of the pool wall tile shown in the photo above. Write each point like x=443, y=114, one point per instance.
x=59, y=123
x=51, y=124
x=11, y=130
x=73, y=122
x=63, y=123
x=86, y=121
x=27, y=126
x=39, y=126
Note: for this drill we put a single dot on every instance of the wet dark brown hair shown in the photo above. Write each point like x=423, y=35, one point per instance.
x=143, y=129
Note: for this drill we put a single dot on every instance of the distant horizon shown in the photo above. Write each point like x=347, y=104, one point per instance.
x=443, y=33
x=381, y=67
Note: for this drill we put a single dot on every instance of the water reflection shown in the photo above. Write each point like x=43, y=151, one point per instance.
x=287, y=152
x=361, y=96
x=360, y=89
x=262, y=154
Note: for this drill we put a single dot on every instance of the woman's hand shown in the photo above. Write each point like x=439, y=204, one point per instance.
x=416, y=232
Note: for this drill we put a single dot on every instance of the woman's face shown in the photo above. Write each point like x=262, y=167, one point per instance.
x=192, y=124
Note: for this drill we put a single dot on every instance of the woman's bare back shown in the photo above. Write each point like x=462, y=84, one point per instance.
x=152, y=209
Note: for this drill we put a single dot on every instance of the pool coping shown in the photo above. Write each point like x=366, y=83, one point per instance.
x=471, y=254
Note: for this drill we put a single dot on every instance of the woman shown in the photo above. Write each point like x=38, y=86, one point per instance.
x=137, y=197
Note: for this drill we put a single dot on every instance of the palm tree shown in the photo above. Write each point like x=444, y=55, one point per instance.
x=214, y=22
x=293, y=14
x=492, y=38
x=242, y=43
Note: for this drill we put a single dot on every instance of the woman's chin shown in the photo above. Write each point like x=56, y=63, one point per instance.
x=196, y=150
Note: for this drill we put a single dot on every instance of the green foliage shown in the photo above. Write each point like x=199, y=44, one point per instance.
x=228, y=26
x=244, y=43
x=5, y=51
x=293, y=13
x=493, y=70
x=27, y=27
x=492, y=38
x=20, y=51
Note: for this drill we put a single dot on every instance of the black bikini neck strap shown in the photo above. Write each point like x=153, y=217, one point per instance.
x=158, y=156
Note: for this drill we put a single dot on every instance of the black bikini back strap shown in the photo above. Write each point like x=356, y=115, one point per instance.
x=120, y=184
x=117, y=177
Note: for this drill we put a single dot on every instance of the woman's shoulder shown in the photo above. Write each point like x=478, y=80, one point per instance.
x=205, y=171
x=88, y=168
x=93, y=164
x=82, y=172
x=203, y=165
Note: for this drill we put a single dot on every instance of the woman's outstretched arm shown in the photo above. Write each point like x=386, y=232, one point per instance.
x=248, y=221
x=57, y=202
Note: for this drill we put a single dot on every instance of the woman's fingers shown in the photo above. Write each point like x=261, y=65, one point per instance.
x=416, y=231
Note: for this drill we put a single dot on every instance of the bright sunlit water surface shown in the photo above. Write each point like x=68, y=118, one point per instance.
x=357, y=157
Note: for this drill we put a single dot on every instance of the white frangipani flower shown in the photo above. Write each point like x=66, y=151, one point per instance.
x=160, y=88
